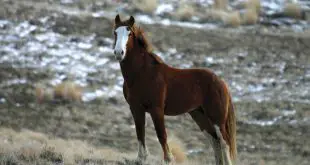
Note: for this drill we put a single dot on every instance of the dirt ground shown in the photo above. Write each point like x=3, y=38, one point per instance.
x=267, y=69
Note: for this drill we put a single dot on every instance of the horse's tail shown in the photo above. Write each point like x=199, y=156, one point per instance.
x=231, y=130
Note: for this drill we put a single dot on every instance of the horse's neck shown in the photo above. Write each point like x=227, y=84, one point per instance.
x=140, y=60
x=133, y=66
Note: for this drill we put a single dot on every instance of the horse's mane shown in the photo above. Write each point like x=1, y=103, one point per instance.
x=139, y=32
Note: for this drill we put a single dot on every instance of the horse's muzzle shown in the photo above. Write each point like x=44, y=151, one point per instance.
x=119, y=58
x=119, y=54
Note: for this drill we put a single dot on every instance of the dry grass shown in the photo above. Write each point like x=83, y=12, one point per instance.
x=32, y=146
x=43, y=93
x=220, y=4
x=185, y=11
x=228, y=18
x=146, y=6
x=253, y=4
x=250, y=16
x=231, y=19
x=256, y=4
x=235, y=18
x=177, y=150
x=216, y=15
x=293, y=10
x=66, y=90
x=28, y=147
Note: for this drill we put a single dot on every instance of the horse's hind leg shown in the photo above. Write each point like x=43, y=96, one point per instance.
x=224, y=147
x=217, y=150
x=205, y=126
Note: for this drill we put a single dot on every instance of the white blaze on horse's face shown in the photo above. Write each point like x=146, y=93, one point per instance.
x=122, y=36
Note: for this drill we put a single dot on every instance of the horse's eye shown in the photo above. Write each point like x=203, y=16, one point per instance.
x=128, y=28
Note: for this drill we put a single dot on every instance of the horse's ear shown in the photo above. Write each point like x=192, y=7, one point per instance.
x=131, y=21
x=117, y=19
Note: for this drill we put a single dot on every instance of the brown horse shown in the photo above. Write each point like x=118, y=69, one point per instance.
x=152, y=86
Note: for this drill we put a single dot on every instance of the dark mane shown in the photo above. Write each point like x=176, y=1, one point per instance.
x=139, y=32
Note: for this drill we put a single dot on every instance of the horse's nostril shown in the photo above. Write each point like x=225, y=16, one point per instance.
x=122, y=52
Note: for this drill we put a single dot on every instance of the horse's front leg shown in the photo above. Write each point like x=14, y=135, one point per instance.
x=157, y=115
x=139, y=119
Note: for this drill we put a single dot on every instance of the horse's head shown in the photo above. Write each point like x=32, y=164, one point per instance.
x=123, y=36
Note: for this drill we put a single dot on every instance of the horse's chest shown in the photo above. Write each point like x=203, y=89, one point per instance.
x=146, y=92
x=139, y=92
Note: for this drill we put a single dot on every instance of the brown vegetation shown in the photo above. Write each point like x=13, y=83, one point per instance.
x=146, y=6
x=67, y=91
x=253, y=4
x=231, y=19
x=293, y=10
x=220, y=4
x=250, y=16
x=256, y=4
x=177, y=150
x=36, y=147
x=185, y=11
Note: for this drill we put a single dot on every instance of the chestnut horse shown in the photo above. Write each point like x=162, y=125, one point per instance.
x=152, y=86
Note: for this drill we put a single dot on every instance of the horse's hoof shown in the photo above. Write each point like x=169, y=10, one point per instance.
x=169, y=163
x=140, y=160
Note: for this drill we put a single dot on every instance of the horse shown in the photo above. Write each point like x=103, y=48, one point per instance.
x=152, y=86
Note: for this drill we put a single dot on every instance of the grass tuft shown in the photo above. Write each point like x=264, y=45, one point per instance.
x=145, y=6
x=185, y=11
x=67, y=91
x=231, y=19
x=220, y=4
x=253, y=5
x=177, y=150
x=293, y=10
x=250, y=16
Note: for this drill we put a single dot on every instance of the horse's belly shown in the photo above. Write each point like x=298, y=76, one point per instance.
x=177, y=110
x=182, y=103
